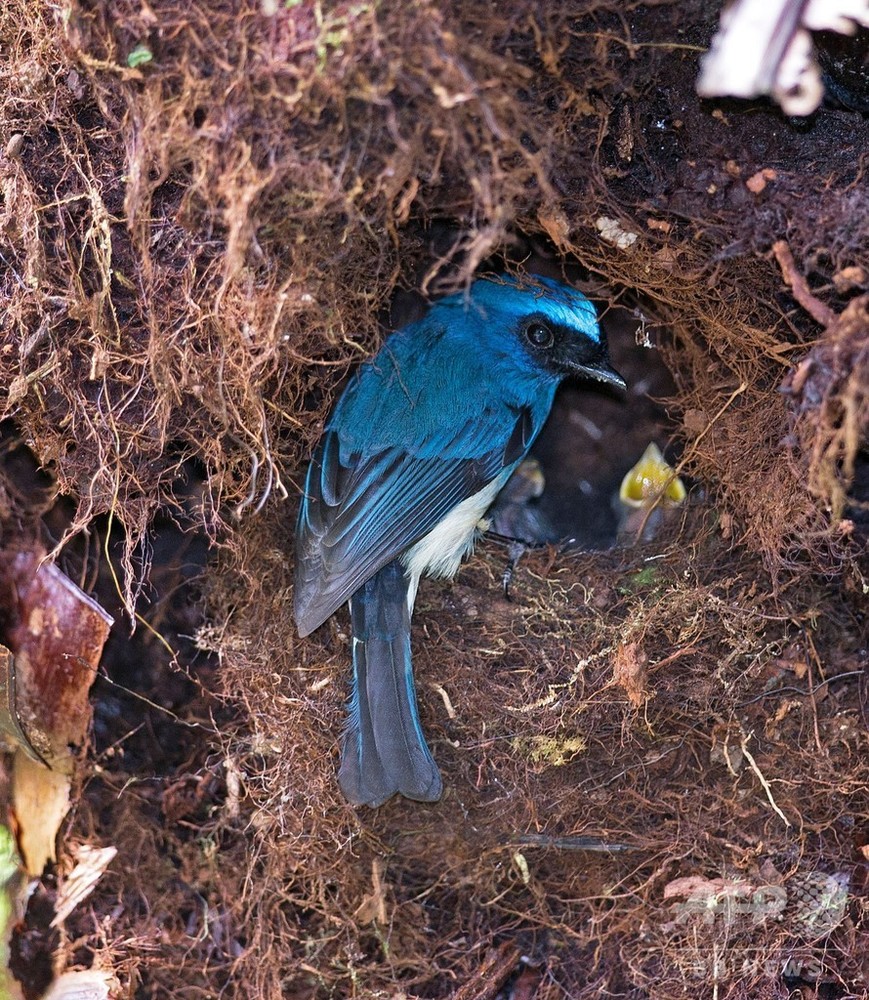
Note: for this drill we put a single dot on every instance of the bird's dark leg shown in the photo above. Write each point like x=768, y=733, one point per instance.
x=515, y=551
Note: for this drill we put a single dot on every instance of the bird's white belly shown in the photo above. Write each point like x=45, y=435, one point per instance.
x=440, y=552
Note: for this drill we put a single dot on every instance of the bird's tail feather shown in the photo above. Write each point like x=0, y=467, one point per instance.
x=384, y=749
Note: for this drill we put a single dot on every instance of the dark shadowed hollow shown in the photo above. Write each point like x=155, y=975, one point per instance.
x=209, y=214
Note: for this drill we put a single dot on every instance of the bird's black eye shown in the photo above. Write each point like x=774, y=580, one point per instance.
x=539, y=334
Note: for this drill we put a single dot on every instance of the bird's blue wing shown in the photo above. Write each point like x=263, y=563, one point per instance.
x=358, y=514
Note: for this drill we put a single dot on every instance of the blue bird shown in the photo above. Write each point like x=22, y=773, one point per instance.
x=413, y=455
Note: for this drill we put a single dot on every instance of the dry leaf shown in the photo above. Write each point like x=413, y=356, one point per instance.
x=373, y=906
x=79, y=884
x=87, y=985
x=630, y=673
x=57, y=638
x=40, y=799
x=555, y=225
x=57, y=641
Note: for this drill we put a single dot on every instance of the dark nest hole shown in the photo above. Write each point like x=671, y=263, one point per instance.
x=594, y=435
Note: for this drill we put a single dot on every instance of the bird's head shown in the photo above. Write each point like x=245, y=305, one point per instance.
x=554, y=325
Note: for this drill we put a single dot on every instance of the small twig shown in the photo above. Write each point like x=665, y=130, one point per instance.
x=573, y=843
x=774, y=692
x=489, y=979
x=687, y=651
x=812, y=653
x=753, y=764
x=819, y=312
x=448, y=705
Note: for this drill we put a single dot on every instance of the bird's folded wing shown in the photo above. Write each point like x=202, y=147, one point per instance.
x=358, y=516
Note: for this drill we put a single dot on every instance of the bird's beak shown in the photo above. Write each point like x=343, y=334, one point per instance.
x=601, y=371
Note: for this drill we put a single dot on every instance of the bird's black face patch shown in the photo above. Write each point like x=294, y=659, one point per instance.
x=556, y=348
x=563, y=351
